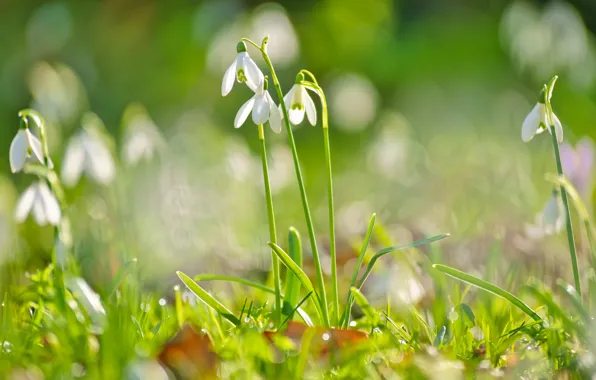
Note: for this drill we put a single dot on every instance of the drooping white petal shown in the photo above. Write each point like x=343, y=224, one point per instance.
x=254, y=76
x=287, y=98
x=531, y=123
x=39, y=212
x=243, y=112
x=25, y=203
x=50, y=204
x=274, y=115
x=228, y=79
x=311, y=111
x=18, y=151
x=73, y=162
x=552, y=216
x=99, y=163
x=260, y=110
x=558, y=129
x=35, y=146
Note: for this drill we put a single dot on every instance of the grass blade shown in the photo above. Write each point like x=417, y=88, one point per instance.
x=302, y=277
x=364, y=305
x=487, y=286
x=371, y=224
x=292, y=285
x=215, y=277
x=208, y=298
x=382, y=253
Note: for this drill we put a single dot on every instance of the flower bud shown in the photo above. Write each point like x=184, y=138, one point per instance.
x=241, y=47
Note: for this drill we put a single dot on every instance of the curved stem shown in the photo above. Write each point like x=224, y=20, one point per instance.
x=272, y=231
x=309, y=223
x=568, y=225
x=331, y=208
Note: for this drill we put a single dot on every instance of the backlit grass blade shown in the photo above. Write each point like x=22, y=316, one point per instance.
x=208, y=298
x=387, y=250
x=292, y=284
x=371, y=224
x=487, y=286
x=215, y=277
x=302, y=277
x=364, y=305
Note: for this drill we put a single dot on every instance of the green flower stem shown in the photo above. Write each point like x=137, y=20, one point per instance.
x=568, y=225
x=332, y=248
x=272, y=231
x=292, y=143
x=63, y=235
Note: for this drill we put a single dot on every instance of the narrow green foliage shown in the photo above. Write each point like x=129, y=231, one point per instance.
x=303, y=278
x=363, y=303
x=208, y=299
x=487, y=286
x=292, y=284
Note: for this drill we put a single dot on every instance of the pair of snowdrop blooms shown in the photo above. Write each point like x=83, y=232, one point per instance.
x=550, y=221
x=261, y=105
x=37, y=199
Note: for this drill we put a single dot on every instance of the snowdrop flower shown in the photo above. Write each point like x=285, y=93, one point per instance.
x=263, y=109
x=299, y=102
x=39, y=200
x=24, y=148
x=87, y=152
x=550, y=221
x=244, y=69
x=142, y=138
x=536, y=123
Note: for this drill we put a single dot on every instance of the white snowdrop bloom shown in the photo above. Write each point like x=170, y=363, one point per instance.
x=244, y=69
x=552, y=215
x=263, y=109
x=25, y=147
x=87, y=152
x=298, y=102
x=142, y=138
x=550, y=221
x=39, y=200
x=536, y=123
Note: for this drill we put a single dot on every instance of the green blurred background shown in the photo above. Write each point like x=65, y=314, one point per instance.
x=426, y=103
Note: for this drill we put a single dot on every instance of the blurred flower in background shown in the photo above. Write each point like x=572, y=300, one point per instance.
x=141, y=138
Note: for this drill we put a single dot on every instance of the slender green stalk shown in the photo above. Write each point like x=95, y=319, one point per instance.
x=309, y=224
x=570, y=238
x=332, y=248
x=63, y=235
x=272, y=232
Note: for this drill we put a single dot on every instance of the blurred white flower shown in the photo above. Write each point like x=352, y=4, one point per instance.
x=25, y=147
x=550, y=220
x=142, y=138
x=39, y=200
x=87, y=152
x=244, y=69
x=299, y=102
x=536, y=123
x=263, y=109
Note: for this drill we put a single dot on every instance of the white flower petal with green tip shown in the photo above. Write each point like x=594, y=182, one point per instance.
x=311, y=111
x=243, y=112
x=99, y=163
x=73, y=162
x=254, y=76
x=18, y=151
x=274, y=115
x=35, y=146
x=50, y=204
x=531, y=123
x=228, y=79
x=25, y=203
x=558, y=129
x=260, y=110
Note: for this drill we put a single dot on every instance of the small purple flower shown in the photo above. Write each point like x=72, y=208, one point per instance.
x=578, y=165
